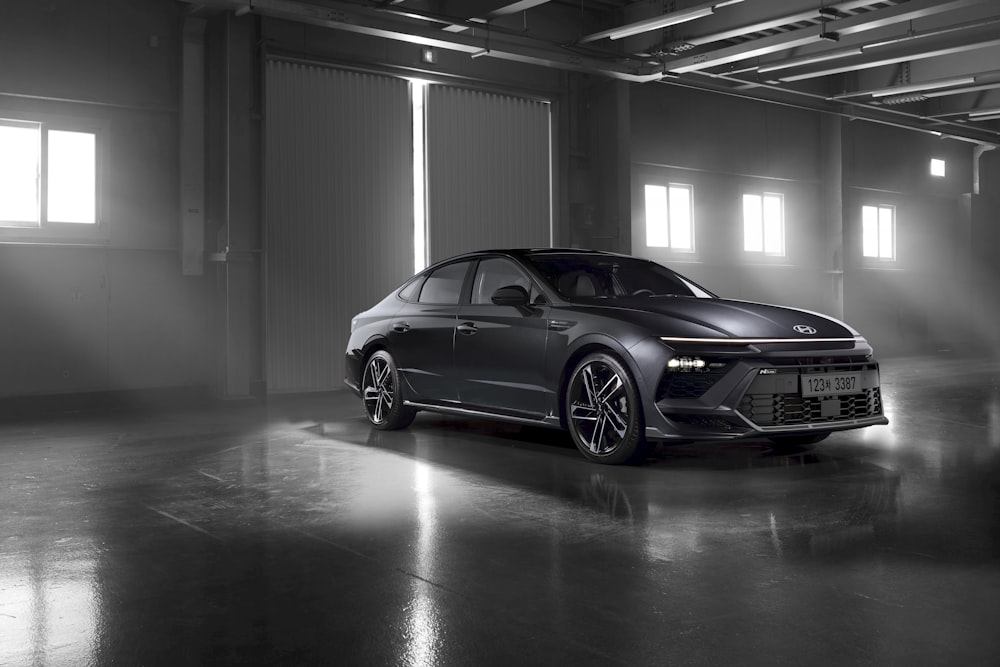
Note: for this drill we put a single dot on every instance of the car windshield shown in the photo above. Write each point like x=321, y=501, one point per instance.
x=606, y=276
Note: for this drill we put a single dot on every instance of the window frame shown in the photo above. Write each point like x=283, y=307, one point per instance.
x=878, y=257
x=45, y=228
x=668, y=230
x=762, y=195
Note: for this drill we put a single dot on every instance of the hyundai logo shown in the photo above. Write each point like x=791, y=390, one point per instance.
x=804, y=329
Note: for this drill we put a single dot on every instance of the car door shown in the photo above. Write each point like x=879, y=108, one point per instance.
x=421, y=336
x=500, y=350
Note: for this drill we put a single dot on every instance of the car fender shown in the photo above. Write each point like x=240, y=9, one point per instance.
x=577, y=349
x=356, y=356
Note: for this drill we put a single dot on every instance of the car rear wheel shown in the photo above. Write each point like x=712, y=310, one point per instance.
x=603, y=411
x=382, y=393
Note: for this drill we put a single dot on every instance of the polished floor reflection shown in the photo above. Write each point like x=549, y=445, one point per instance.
x=292, y=534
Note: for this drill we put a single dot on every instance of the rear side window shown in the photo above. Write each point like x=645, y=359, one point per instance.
x=444, y=285
x=410, y=290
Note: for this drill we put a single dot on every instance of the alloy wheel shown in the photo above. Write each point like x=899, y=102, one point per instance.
x=379, y=389
x=382, y=391
x=600, y=408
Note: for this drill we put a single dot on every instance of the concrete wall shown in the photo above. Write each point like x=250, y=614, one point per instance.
x=924, y=300
x=724, y=146
x=937, y=295
x=107, y=309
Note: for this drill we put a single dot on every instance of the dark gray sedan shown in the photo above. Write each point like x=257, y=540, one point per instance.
x=620, y=351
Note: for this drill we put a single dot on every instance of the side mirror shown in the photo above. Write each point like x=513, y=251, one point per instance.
x=511, y=295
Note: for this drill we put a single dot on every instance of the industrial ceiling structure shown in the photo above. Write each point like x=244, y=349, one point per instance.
x=929, y=65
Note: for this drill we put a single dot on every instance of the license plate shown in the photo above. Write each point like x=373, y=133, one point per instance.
x=831, y=384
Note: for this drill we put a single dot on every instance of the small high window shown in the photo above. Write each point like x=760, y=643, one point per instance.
x=937, y=167
x=48, y=174
x=764, y=223
x=669, y=216
x=878, y=231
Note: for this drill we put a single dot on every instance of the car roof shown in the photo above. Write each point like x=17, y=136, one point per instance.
x=523, y=252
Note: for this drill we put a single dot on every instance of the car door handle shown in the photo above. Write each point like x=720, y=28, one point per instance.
x=467, y=328
x=400, y=327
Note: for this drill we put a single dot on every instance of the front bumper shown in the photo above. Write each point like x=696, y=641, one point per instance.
x=758, y=393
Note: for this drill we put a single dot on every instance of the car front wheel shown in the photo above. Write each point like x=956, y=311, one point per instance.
x=603, y=411
x=382, y=393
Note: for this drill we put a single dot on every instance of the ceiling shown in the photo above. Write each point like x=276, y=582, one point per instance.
x=930, y=65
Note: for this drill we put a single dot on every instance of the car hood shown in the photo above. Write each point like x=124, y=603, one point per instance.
x=725, y=318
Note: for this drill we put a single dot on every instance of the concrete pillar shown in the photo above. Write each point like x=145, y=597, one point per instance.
x=600, y=175
x=832, y=211
x=234, y=187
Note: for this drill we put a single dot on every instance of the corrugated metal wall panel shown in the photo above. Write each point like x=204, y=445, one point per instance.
x=339, y=212
x=488, y=171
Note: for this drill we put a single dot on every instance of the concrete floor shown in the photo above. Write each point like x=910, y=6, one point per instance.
x=292, y=534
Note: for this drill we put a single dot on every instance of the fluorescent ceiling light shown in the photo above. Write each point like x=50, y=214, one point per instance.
x=664, y=21
x=657, y=22
x=984, y=112
x=730, y=57
x=810, y=60
x=891, y=61
x=926, y=85
x=978, y=118
x=959, y=91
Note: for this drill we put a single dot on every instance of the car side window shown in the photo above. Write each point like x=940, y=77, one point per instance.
x=409, y=291
x=444, y=285
x=496, y=272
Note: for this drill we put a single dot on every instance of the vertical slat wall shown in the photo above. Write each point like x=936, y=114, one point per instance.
x=339, y=212
x=488, y=171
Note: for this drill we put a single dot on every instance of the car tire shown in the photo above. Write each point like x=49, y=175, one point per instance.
x=382, y=393
x=782, y=441
x=603, y=411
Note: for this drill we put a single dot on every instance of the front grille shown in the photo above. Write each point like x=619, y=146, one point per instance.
x=707, y=423
x=685, y=385
x=794, y=410
x=692, y=383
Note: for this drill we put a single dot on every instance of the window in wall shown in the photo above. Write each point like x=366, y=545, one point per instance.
x=878, y=230
x=937, y=167
x=764, y=223
x=48, y=174
x=669, y=216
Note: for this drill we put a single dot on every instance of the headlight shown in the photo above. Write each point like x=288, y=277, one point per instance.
x=693, y=365
x=685, y=363
x=354, y=323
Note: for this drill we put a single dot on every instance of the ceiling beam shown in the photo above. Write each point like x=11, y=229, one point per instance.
x=768, y=24
x=908, y=11
x=415, y=29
